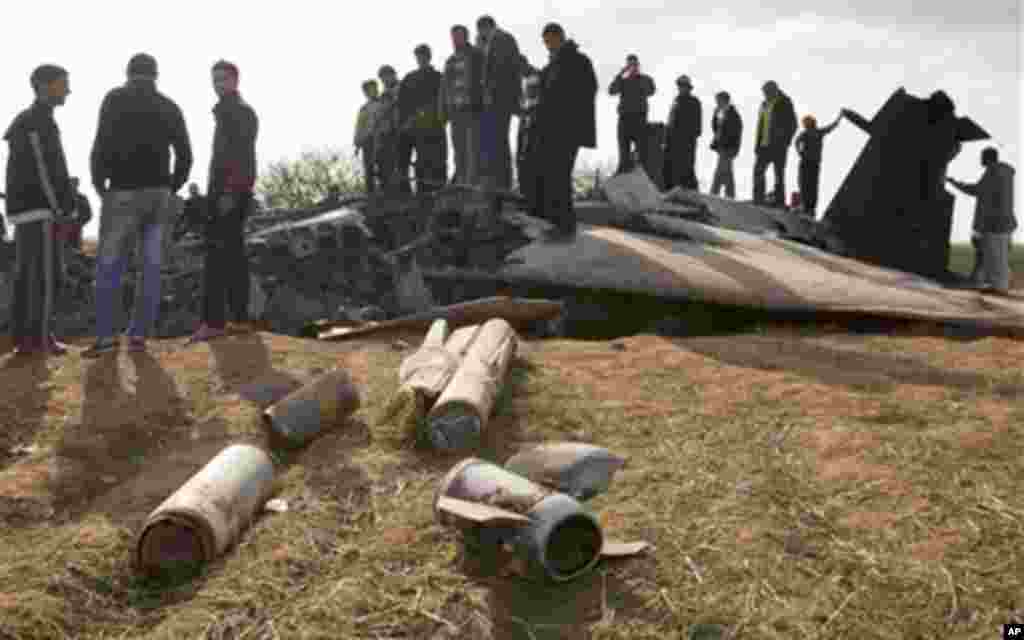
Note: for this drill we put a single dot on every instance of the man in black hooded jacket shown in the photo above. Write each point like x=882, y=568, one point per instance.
x=37, y=179
x=565, y=121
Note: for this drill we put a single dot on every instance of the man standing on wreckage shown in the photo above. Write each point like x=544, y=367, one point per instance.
x=38, y=191
x=232, y=177
x=565, y=121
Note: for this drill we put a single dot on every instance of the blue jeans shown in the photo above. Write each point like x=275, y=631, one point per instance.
x=137, y=215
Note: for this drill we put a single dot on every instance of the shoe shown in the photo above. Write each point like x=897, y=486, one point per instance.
x=57, y=347
x=102, y=347
x=241, y=327
x=27, y=347
x=204, y=334
x=136, y=344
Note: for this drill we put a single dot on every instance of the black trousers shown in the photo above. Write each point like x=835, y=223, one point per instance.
x=553, y=163
x=431, y=160
x=369, y=167
x=525, y=175
x=808, y=176
x=776, y=158
x=30, y=284
x=226, y=270
x=632, y=133
x=680, y=160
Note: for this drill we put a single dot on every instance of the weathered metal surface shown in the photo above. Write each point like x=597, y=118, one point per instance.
x=893, y=209
x=204, y=517
x=303, y=414
x=516, y=311
x=731, y=267
x=575, y=468
x=461, y=414
x=561, y=541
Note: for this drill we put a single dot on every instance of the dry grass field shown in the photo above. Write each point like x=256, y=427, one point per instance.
x=795, y=483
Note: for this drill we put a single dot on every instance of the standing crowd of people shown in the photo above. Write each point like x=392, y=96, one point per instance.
x=132, y=173
x=482, y=85
x=472, y=100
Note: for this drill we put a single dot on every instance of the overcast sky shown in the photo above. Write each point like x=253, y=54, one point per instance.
x=302, y=63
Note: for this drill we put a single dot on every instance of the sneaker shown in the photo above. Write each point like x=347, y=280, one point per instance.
x=102, y=347
x=136, y=344
x=57, y=347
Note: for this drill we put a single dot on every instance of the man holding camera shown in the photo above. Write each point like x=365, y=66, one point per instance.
x=634, y=89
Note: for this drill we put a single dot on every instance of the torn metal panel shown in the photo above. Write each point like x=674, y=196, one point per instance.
x=731, y=267
x=560, y=541
x=516, y=311
x=893, y=209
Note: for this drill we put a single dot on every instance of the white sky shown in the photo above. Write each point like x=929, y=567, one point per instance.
x=302, y=63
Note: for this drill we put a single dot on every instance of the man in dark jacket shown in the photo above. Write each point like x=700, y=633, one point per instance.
x=501, y=93
x=994, y=221
x=420, y=126
x=138, y=126
x=462, y=102
x=565, y=121
x=685, y=122
x=634, y=89
x=727, y=127
x=232, y=177
x=776, y=126
x=37, y=180
x=385, y=130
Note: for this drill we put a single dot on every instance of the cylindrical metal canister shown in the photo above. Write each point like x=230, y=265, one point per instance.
x=204, y=517
x=301, y=415
x=576, y=468
x=562, y=541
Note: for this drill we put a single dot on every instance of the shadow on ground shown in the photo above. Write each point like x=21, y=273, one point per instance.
x=835, y=365
x=135, y=434
x=243, y=363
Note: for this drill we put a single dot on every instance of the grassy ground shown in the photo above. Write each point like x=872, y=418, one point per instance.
x=794, y=484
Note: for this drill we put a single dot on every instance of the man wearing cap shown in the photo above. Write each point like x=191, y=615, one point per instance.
x=634, y=89
x=37, y=180
x=385, y=130
x=776, y=126
x=131, y=171
x=681, y=132
x=502, y=89
x=421, y=127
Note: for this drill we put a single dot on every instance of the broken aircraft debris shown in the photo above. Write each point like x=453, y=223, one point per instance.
x=353, y=266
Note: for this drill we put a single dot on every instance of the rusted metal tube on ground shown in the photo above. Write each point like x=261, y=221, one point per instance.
x=206, y=516
x=303, y=414
x=562, y=540
x=458, y=419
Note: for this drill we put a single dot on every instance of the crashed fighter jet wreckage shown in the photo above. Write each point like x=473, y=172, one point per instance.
x=349, y=267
